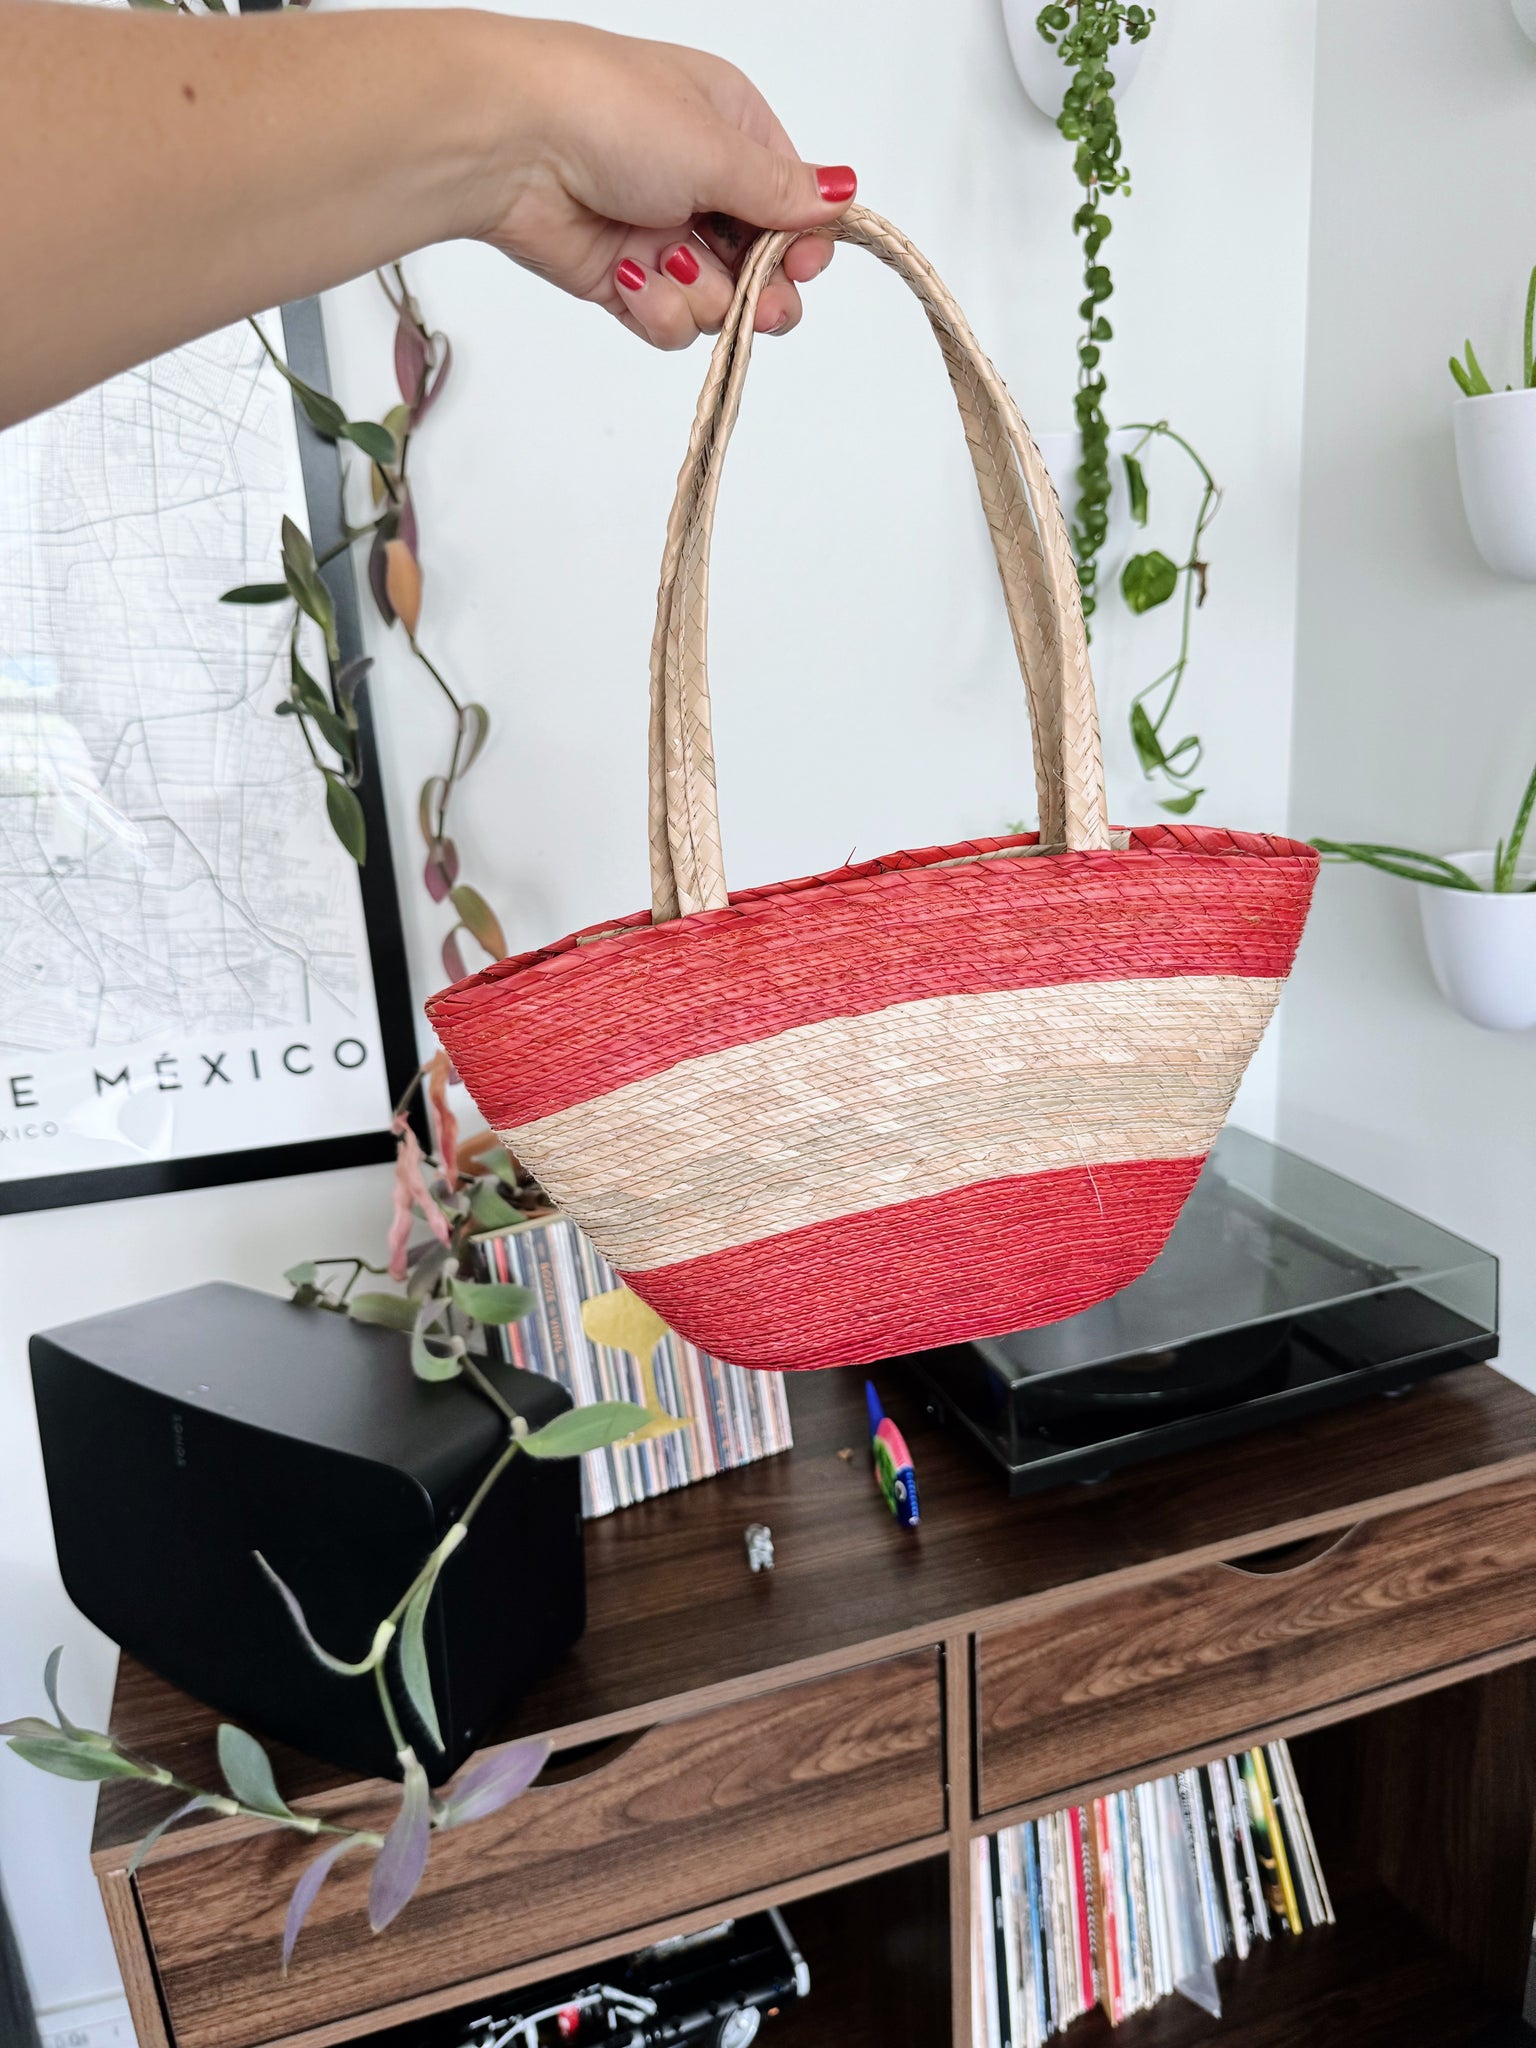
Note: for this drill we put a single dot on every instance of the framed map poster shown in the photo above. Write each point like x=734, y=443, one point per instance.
x=197, y=984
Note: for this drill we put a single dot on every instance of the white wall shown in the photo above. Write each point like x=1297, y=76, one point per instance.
x=1415, y=706
x=861, y=657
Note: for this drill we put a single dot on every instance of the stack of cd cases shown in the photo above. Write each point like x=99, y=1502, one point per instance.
x=1134, y=1896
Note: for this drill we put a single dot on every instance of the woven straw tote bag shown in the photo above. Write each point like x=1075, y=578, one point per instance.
x=921, y=1099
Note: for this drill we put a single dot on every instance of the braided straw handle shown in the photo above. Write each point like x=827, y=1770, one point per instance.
x=1029, y=538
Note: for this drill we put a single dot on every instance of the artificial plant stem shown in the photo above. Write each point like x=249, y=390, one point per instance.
x=488, y=1387
x=1504, y=872
x=387, y=1707
x=1530, y=325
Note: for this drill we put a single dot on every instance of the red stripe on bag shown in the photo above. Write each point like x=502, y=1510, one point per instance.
x=993, y=1257
x=530, y=1040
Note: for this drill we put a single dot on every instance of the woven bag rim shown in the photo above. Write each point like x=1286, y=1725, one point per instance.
x=596, y=943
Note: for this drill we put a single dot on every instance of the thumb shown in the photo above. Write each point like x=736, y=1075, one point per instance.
x=767, y=189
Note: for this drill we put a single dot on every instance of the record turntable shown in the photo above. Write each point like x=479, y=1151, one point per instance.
x=1284, y=1290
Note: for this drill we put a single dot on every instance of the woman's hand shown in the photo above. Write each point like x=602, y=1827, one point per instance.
x=638, y=173
x=168, y=175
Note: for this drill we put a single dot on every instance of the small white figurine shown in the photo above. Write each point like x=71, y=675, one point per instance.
x=759, y=1538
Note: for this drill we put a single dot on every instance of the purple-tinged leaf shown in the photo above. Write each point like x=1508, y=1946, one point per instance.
x=378, y=573
x=290, y=1601
x=430, y=396
x=400, y=1863
x=492, y=1783
x=453, y=959
x=311, y=1878
x=410, y=359
x=203, y=1799
x=405, y=527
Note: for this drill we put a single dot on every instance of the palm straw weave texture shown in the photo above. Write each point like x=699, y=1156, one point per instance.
x=919, y=1099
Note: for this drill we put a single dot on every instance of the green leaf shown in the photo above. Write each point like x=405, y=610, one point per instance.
x=1136, y=484
x=498, y=1160
x=415, y=1671
x=1481, y=388
x=1181, y=806
x=433, y=790
x=1148, y=580
x=256, y=593
x=491, y=1210
x=305, y=586
x=1149, y=750
x=479, y=917
x=375, y=441
x=587, y=1429
x=202, y=1800
x=28, y=1725
x=79, y=1760
x=1462, y=378
x=346, y=816
x=248, y=1772
x=388, y=1311
x=492, y=1301
x=304, y=1274
x=475, y=725
x=75, y=1733
x=1403, y=861
x=427, y=1364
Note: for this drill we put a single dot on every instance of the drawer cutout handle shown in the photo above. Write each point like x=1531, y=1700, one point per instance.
x=566, y=1766
x=1284, y=1558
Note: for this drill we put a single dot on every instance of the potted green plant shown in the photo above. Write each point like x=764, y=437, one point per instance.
x=1496, y=456
x=1479, y=916
x=1042, y=73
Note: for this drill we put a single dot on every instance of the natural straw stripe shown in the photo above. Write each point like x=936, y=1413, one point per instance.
x=1029, y=539
x=859, y=1113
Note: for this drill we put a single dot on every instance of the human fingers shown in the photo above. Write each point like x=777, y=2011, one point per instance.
x=654, y=305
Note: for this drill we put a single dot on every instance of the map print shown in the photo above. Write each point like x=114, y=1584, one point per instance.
x=184, y=965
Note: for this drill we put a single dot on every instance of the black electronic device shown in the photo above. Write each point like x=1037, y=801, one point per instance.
x=1284, y=1290
x=713, y=1989
x=184, y=1435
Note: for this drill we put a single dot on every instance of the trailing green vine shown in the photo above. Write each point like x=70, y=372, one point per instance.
x=423, y=358
x=1148, y=580
x=447, y=1203
x=1083, y=36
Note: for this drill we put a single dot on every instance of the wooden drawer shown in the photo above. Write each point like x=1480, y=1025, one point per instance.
x=1107, y=1687
x=689, y=1812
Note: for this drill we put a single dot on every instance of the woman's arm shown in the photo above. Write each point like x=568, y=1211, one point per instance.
x=162, y=176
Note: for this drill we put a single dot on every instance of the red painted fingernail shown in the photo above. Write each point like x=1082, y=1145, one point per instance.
x=683, y=265
x=836, y=183
x=630, y=275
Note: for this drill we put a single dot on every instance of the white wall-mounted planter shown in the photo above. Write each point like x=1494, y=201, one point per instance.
x=1482, y=947
x=1038, y=63
x=1496, y=461
x=1525, y=14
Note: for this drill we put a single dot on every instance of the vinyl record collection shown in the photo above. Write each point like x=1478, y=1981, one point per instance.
x=735, y=1416
x=1120, y=1902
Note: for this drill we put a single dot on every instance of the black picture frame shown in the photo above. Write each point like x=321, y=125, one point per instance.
x=320, y=464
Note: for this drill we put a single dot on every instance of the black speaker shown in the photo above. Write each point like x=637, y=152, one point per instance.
x=184, y=1435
